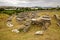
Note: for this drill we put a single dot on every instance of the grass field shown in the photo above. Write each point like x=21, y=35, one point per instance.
x=52, y=33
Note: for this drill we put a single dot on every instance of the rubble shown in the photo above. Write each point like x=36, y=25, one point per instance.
x=25, y=27
x=43, y=21
x=30, y=19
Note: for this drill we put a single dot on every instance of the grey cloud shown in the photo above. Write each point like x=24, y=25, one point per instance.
x=43, y=3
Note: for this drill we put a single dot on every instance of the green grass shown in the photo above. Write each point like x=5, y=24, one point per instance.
x=52, y=33
x=9, y=12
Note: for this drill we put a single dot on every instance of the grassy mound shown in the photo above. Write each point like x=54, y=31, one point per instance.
x=52, y=33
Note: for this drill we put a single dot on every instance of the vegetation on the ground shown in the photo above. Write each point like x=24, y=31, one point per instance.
x=52, y=33
x=18, y=10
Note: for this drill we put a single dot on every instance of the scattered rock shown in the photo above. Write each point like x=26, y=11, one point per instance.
x=15, y=30
x=39, y=32
x=9, y=24
x=57, y=18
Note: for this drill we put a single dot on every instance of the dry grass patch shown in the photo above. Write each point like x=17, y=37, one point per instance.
x=52, y=33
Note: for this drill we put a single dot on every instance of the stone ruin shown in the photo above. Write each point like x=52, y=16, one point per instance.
x=31, y=18
x=26, y=15
x=25, y=27
x=43, y=21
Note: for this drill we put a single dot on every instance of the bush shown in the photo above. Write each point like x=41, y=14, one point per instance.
x=1, y=9
x=9, y=12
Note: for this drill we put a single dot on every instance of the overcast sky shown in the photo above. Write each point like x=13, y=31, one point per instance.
x=29, y=3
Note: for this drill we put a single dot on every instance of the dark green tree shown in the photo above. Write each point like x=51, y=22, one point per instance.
x=2, y=9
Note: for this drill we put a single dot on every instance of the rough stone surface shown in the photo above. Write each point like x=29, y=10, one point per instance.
x=39, y=32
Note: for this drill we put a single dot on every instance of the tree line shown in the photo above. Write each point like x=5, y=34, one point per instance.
x=18, y=10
